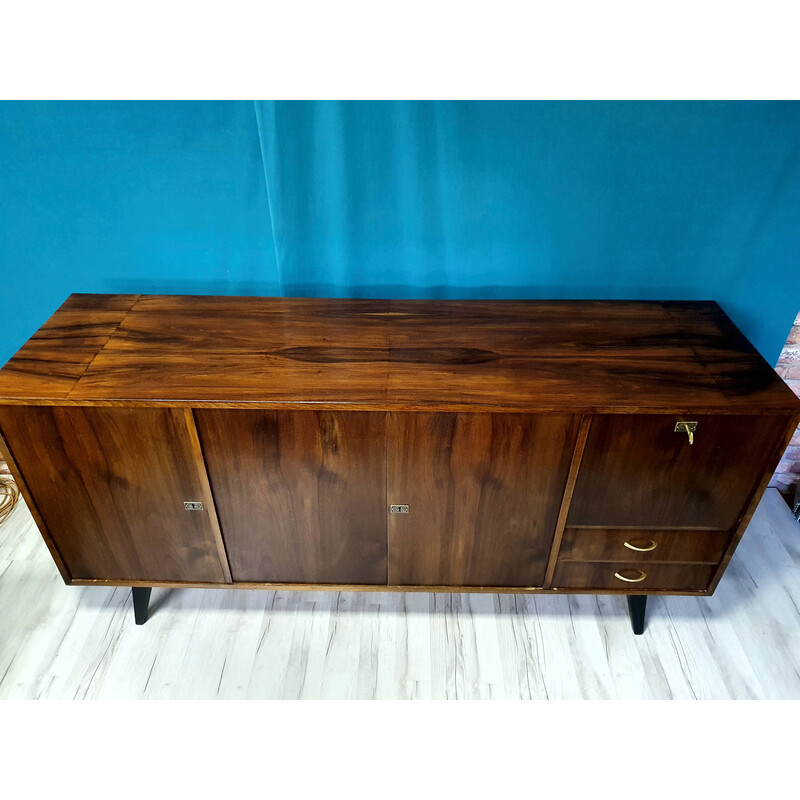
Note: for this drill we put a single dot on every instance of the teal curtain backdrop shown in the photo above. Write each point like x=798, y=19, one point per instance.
x=661, y=200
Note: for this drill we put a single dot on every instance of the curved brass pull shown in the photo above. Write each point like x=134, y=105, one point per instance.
x=643, y=575
x=652, y=546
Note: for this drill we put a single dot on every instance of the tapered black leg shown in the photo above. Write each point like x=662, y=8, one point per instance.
x=141, y=598
x=636, y=606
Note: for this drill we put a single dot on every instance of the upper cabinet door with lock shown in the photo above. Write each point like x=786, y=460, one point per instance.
x=638, y=470
x=111, y=484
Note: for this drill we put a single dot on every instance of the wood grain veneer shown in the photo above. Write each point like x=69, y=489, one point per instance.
x=566, y=499
x=663, y=478
x=779, y=446
x=50, y=363
x=609, y=544
x=301, y=494
x=479, y=486
x=110, y=486
x=365, y=587
x=564, y=356
x=30, y=502
x=601, y=576
x=529, y=439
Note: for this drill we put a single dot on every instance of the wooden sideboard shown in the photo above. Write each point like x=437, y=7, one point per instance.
x=523, y=446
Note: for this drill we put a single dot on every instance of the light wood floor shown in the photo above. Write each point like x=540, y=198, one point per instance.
x=68, y=642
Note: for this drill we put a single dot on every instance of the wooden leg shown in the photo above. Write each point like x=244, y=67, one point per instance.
x=636, y=606
x=141, y=597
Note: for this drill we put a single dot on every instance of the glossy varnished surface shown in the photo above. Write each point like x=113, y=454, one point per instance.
x=50, y=363
x=616, y=544
x=110, y=484
x=250, y=349
x=394, y=355
x=638, y=472
x=602, y=576
x=301, y=495
x=484, y=492
x=271, y=411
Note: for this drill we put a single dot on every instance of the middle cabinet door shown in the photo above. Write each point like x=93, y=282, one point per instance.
x=301, y=495
x=483, y=493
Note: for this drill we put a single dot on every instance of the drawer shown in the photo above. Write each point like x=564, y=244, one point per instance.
x=602, y=575
x=642, y=546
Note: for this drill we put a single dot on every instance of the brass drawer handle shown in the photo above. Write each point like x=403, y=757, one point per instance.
x=631, y=580
x=652, y=546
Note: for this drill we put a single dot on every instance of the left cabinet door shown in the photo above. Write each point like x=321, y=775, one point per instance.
x=301, y=495
x=110, y=485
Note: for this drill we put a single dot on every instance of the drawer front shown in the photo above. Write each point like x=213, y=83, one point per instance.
x=637, y=471
x=642, y=546
x=657, y=577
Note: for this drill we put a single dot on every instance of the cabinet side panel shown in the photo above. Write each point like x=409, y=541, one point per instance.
x=773, y=458
x=301, y=495
x=110, y=484
x=484, y=492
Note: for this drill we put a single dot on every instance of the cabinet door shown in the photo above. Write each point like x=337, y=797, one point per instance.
x=301, y=495
x=483, y=491
x=110, y=484
x=637, y=471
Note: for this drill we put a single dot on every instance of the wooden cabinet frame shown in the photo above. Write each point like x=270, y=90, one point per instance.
x=290, y=427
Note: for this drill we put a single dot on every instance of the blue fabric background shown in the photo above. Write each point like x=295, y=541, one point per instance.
x=662, y=200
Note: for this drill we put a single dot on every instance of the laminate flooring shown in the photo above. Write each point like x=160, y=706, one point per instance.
x=81, y=643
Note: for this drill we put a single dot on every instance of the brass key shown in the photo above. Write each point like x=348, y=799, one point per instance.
x=688, y=428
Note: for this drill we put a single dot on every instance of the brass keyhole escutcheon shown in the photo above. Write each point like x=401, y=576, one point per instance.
x=686, y=427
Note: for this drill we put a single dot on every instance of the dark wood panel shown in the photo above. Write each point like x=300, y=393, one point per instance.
x=484, y=492
x=566, y=498
x=661, y=577
x=51, y=361
x=363, y=587
x=301, y=495
x=609, y=544
x=310, y=328
x=333, y=379
x=533, y=382
x=7, y=456
x=110, y=485
x=482, y=332
x=206, y=495
x=217, y=348
x=771, y=464
x=579, y=356
x=561, y=356
x=97, y=303
x=638, y=472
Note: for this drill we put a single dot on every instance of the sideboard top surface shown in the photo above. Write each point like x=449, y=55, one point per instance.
x=603, y=356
